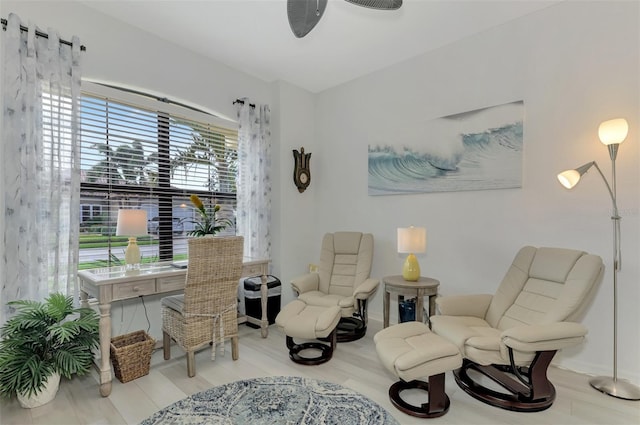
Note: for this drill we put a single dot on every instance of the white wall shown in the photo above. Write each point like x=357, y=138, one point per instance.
x=574, y=65
x=294, y=213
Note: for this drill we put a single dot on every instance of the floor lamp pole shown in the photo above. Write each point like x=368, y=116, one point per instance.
x=611, y=385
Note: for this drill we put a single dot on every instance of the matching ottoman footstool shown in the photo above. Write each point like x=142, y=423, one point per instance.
x=410, y=351
x=299, y=320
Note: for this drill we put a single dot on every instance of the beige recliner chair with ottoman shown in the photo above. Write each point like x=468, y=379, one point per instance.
x=512, y=336
x=342, y=280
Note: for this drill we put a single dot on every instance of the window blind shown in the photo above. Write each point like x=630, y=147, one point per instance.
x=137, y=153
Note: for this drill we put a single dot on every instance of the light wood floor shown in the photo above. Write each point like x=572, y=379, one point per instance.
x=354, y=365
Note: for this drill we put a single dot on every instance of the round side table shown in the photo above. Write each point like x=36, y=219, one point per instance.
x=423, y=287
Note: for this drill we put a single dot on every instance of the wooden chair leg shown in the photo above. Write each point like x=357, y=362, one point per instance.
x=234, y=348
x=541, y=388
x=333, y=339
x=166, y=345
x=191, y=364
x=438, y=401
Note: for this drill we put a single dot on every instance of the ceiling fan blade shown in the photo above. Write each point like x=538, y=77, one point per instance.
x=378, y=4
x=304, y=15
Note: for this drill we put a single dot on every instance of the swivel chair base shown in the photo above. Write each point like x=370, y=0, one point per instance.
x=326, y=351
x=438, y=403
x=350, y=329
x=537, y=395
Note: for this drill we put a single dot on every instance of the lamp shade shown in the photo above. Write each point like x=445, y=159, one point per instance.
x=569, y=178
x=613, y=131
x=131, y=223
x=412, y=240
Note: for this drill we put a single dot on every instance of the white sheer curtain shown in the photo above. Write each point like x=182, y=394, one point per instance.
x=41, y=171
x=253, y=216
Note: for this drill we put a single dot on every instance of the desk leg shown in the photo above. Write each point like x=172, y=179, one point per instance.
x=84, y=299
x=264, y=296
x=420, y=306
x=385, y=307
x=105, y=344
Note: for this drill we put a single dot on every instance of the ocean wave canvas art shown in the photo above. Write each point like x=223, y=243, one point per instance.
x=475, y=150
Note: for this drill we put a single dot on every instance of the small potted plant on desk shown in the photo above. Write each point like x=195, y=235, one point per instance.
x=40, y=343
x=208, y=224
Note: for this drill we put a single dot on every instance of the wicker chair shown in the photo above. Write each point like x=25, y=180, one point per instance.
x=207, y=311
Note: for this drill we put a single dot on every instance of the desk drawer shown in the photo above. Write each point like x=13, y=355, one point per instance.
x=134, y=289
x=173, y=283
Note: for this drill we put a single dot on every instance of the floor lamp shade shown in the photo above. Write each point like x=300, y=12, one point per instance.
x=613, y=131
x=411, y=240
x=132, y=223
x=570, y=178
x=611, y=134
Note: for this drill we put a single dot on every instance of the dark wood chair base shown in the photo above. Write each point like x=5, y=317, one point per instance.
x=326, y=351
x=538, y=396
x=350, y=329
x=438, y=403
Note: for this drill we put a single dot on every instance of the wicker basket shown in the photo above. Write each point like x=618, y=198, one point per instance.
x=131, y=355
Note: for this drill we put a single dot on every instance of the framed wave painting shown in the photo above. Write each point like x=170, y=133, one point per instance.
x=475, y=150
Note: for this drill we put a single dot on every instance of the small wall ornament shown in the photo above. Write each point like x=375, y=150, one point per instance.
x=301, y=172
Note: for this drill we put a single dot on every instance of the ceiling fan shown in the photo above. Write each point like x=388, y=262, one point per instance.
x=305, y=14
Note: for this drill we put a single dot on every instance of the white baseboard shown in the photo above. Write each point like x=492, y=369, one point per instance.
x=597, y=370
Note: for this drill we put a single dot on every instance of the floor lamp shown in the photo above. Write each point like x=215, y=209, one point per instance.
x=611, y=133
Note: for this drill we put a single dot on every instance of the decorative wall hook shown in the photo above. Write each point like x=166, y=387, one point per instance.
x=301, y=172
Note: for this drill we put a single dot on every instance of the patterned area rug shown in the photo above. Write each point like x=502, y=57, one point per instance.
x=280, y=400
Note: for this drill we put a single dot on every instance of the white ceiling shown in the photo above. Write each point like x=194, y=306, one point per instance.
x=350, y=41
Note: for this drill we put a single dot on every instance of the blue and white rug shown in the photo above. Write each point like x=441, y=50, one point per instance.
x=278, y=400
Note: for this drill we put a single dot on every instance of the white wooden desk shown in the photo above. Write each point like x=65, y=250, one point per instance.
x=114, y=283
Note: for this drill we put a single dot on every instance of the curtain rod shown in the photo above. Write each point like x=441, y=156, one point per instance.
x=153, y=96
x=240, y=101
x=40, y=34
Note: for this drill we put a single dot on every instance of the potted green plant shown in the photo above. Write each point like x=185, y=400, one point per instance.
x=208, y=224
x=42, y=341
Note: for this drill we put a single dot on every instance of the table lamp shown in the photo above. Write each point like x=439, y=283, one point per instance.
x=132, y=223
x=411, y=240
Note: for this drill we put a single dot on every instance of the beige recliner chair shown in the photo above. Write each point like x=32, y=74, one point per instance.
x=342, y=280
x=512, y=336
